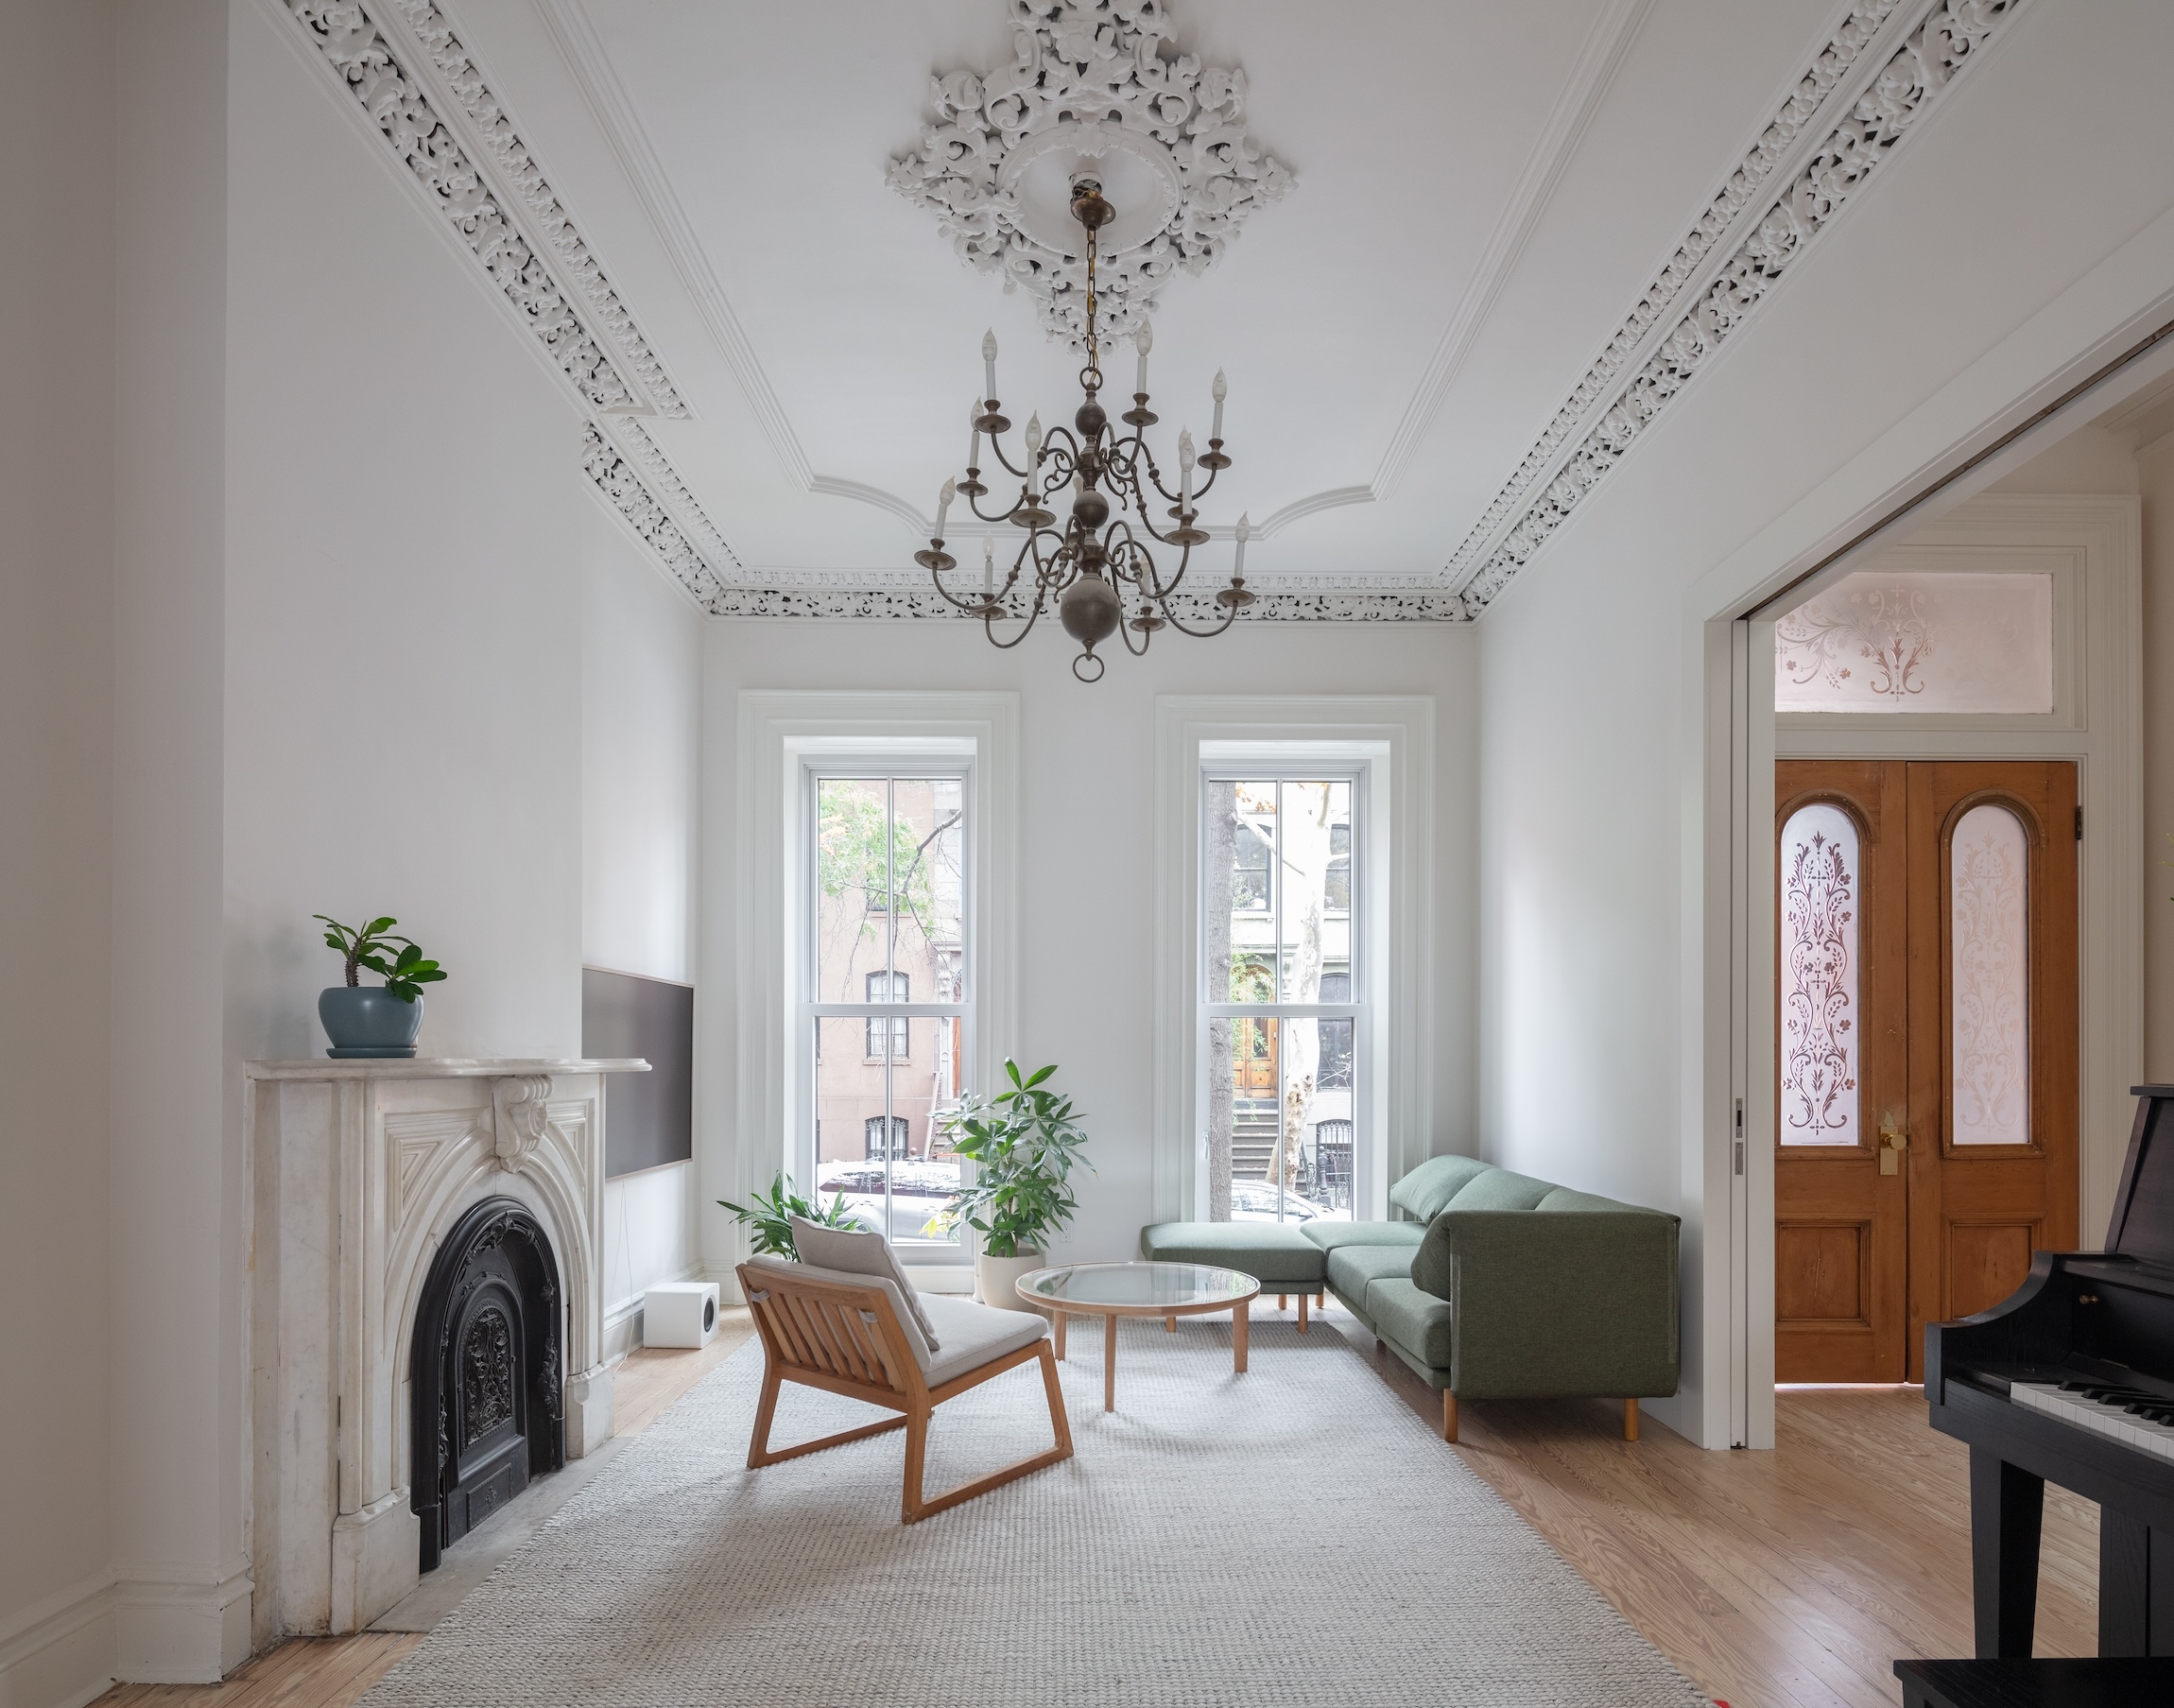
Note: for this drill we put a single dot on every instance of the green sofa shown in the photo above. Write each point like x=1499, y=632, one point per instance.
x=1501, y=1287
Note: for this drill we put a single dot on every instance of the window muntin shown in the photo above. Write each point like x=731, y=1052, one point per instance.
x=1280, y=994
x=887, y=908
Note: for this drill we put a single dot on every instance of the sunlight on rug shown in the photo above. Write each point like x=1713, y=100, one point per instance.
x=1291, y=1536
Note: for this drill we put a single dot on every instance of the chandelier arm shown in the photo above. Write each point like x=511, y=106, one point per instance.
x=1125, y=635
x=1230, y=616
x=989, y=624
x=1018, y=473
x=975, y=504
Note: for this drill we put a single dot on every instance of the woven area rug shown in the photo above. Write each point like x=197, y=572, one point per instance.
x=1295, y=1535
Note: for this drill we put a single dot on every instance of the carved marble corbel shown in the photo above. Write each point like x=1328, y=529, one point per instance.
x=520, y=1115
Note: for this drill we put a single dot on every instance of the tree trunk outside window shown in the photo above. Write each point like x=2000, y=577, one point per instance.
x=1219, y=857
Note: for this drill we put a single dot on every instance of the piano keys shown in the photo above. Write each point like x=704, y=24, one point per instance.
x=2071, y=1380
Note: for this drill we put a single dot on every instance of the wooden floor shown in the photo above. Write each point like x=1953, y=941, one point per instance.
x=1784, y=1580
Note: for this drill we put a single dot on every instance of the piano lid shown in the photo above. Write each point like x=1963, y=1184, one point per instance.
x=2143, y=1223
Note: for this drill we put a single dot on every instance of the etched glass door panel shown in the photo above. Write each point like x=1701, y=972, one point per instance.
x=1988, y=940
x=1820, y=1006
x=1919, y=642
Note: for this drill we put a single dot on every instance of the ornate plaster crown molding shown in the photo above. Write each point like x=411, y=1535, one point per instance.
x=1949, y=37
x=922, y=602
x=1093, y=85
x=601, y=351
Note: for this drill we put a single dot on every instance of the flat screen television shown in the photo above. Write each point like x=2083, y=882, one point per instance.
x=648, y=1118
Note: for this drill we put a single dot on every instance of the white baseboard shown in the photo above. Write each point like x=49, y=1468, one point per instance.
x=58, y=1653
x=179, y=1630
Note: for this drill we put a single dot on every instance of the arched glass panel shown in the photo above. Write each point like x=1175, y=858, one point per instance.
x=1820, y=1041
x=1988, y=929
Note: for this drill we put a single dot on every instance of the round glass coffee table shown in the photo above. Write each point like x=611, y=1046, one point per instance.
x=1168, y=1290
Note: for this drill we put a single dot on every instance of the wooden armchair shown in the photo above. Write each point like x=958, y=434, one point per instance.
x=844, y=1333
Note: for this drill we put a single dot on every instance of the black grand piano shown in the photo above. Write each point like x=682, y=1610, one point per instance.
x=2072, y=1378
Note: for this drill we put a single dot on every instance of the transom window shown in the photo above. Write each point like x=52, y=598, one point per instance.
x=887, y=908
x=1280, y=994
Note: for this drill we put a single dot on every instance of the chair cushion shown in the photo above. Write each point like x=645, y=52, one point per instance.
x=1329, y=1235
x=1434, y=1182
x=1273, y=1253
x=1418, y=1322
x=860, y=1252
x=1499, y=1189
x=1351, y=1268
x=973, y=1334
x=915, y=1341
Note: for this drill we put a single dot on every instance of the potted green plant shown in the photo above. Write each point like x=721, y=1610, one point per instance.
x=1024, y=1144
x=373, y=1020
x=769, y=1220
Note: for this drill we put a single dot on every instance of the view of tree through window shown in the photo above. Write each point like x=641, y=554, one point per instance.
x=1281, y=997
x=887, y=929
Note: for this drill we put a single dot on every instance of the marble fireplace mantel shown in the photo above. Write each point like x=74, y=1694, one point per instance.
x=361, y=1169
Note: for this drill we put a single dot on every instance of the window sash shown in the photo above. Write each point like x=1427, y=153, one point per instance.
x=1353, y=860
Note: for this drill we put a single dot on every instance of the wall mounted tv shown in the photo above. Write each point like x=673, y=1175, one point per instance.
x=648, y=1118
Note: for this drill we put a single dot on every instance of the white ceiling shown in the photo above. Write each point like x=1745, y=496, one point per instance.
x=1483, y=190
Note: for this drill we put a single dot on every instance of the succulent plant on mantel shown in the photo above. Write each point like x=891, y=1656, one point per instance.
x=371, y=1020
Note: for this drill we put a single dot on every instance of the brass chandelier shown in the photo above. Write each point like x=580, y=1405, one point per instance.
x=1088, y=568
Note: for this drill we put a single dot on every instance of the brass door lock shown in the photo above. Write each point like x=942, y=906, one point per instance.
x=1895, y=1140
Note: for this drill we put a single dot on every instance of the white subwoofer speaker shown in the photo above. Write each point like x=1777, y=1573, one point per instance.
x=680, y=1313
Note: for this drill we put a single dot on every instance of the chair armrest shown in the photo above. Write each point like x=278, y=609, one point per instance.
x=1575, y=1301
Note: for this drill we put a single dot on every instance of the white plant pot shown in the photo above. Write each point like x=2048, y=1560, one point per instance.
x=995, y=1279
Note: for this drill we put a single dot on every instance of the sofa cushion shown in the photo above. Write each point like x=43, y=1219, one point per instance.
x=1352, y=1267
x=1273, y=1253
x=1330, y=1235
x=1419, y=1322
x=1499, y=1189
x=1434, y=1182
x=1563, y=1198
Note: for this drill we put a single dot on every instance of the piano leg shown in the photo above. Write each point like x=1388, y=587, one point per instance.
x=2006, y=1506
x=2124, y=1584
x=2135, y=1587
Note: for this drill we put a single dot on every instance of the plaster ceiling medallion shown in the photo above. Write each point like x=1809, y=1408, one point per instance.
x=1095, y=90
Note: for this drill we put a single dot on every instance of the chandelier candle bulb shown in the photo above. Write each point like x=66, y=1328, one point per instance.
x=1245, y=528
x=989, y=365
x=1142, y=340
x=1034, y=435
x=1215, y=432
x=943, y=497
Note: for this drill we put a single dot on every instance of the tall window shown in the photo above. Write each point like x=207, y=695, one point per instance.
x=1279, y=996
x=888, y=911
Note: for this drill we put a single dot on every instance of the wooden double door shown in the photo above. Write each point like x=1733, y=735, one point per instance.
x=1925, y=1140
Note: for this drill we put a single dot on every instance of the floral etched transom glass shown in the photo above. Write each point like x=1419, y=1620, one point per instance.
x=1820, y=1042
x=1962, y=642
x=1988, y=929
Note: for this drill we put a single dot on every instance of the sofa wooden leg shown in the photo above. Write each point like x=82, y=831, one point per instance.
x=1283, y=1302
x=1629, y=1419
x=1448, y=1416
x=1301, y=1313
x=1378, y=1347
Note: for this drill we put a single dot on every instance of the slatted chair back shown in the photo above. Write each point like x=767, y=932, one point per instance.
x=845, y=1339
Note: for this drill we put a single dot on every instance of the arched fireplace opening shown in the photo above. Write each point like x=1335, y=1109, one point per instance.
x=486, y=1414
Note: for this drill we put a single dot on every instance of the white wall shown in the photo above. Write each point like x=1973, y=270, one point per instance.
x=1087, y=887
x=641, y=708
x=1903, y=322
x=56, y=789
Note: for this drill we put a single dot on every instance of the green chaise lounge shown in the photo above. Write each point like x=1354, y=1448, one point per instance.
x=1501, y=1287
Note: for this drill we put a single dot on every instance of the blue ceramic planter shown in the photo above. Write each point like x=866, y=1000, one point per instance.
x=368, y=1020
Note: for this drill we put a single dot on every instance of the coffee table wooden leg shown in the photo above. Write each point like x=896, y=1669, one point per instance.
x=1061, y=1319
x=1238, y=1337
x=1169, y=1326
x=1109, y=1364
